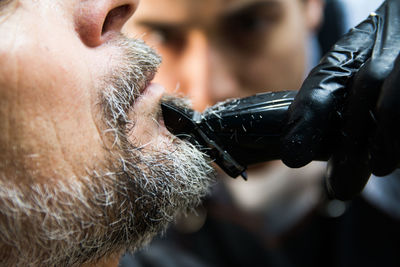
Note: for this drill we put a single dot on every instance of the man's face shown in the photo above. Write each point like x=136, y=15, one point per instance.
x=86, y=167
x=218, y=49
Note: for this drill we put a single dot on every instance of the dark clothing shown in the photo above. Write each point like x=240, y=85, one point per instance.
x=363, y=236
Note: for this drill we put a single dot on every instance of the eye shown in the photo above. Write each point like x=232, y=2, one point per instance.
x=249, y=24
x=245, y=32
x=167, y=37
x=252, y=21
x=249, y=28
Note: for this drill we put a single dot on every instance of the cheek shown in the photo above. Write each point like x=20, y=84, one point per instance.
x=272, y=72
x=281, y=65
x=50, y=115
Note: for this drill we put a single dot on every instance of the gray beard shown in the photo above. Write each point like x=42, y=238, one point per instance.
x=120, y=204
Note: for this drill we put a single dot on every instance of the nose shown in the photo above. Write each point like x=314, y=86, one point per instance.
x=206, y=75
x=195, y=70
x=97, y=20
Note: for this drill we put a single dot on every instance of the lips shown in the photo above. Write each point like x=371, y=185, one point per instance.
x=145, y=116
x=149, y=100
x=145, y=91
x=147, y=82
x=141, y=90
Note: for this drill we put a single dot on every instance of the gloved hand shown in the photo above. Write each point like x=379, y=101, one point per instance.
x=352, y=100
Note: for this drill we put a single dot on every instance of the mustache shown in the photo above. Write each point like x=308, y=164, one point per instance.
x=136, y=68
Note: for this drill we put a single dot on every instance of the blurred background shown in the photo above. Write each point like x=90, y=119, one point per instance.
x=218, y=49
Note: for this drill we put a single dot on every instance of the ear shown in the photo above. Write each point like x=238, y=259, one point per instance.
x=314, y=10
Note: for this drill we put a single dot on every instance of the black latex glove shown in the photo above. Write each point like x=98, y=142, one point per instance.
x=353, y=95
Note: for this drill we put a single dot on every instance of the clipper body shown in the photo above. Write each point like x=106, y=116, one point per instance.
x=238, y=132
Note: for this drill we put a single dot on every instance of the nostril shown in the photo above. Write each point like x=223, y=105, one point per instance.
x=116, y=18
x=98, y=21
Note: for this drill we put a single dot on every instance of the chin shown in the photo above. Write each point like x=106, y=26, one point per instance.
x=146, y=176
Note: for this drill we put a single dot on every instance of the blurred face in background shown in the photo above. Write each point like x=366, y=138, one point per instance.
x=218, y=49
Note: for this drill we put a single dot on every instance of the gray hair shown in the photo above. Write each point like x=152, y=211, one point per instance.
x=121, y=203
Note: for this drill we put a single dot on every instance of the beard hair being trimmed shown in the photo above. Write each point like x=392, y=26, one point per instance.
x=121, y=203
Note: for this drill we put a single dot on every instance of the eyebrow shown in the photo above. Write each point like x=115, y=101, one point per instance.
x=232, y=11
x=154, y=22
x=251, y=5
x=161, y=25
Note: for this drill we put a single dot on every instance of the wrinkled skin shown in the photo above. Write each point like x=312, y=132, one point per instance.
x=350, y=100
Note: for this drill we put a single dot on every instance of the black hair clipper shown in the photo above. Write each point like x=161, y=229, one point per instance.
x=235, y=133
